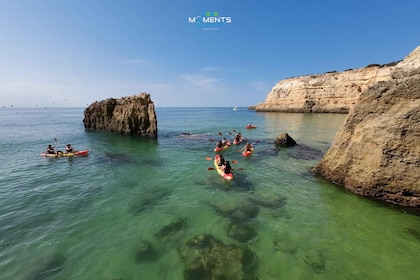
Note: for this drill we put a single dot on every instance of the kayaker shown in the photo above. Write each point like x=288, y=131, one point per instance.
x=219, y=144
x=226, y=168
x=224, y=141
x=248, y=147
x=69, y=148
x=50, y=149
x=221, y=160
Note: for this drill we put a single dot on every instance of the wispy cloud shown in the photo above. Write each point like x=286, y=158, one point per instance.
x=200, y=81
x=138, y=61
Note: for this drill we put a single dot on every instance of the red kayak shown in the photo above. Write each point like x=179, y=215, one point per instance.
x=76, y=153
x=247, y=153
x=225, y=176
x=217, y=149
x=250, y=126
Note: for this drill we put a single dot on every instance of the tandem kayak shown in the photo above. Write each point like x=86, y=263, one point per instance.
x=219, y=170
x=217, y=149
x=77, y=153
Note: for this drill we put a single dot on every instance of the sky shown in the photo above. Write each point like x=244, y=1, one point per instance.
x=71, y=53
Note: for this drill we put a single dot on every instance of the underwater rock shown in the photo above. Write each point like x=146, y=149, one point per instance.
x=316, y=260
x=413, y=232
x=172, y=228
x=48, y=267
x=305, y=152
x=274, y=201
x=208, y=258
x=146, y=199
x=242, y=232
x=241, y=212
x=284, y=245
x=145, y=252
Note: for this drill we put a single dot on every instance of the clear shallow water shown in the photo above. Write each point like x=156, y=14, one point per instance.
x=85, y=217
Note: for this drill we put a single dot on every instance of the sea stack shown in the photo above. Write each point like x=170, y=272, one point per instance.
x=376, y=152
x=133, y=115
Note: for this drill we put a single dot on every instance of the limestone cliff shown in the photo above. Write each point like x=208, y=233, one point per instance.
x=333, y=92
x=133, y=115
x=376, y=152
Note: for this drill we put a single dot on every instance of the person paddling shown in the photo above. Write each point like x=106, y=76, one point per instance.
x=69, y=148
x=226, y=168
x=50, y=149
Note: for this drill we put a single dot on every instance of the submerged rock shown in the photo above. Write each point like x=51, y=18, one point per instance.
x=48, y=267
x=205, y=257
x=148, y=198
x=171, y=228
x=145, y=252
x=242, y=232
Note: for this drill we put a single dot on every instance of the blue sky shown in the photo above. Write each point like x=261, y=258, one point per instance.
x=72, y=53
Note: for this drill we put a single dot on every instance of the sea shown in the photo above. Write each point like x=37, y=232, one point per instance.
x=134, y=207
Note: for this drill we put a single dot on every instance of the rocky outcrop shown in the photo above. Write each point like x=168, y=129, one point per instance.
x=134, y=115
x=376, y=152
x=331, y=92
x=285, y=140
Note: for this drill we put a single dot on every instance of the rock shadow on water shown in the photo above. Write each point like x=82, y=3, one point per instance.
x=205, y=257
x=147, y=199
x=48, y=267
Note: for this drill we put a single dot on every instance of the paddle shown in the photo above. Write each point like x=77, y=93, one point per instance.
x=240, y=168
x=232, y=161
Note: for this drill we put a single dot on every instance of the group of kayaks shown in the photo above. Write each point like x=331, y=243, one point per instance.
x=246, y=151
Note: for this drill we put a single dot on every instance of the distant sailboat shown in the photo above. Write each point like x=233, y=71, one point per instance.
x=235, y=108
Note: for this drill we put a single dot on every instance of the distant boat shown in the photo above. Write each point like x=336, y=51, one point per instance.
x=235, y=108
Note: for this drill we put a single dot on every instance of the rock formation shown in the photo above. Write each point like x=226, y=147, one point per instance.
x=376, y=152
x=331, y=92
x=133, y=115
x=285, y=140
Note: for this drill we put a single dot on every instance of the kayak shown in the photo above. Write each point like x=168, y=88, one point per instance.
x=250, y=126
x=219, y=170
x=235, y=142
x=77, y=153
x=247, y=153
x=217, y=149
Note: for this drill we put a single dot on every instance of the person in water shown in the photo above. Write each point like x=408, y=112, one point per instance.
x=69, y=148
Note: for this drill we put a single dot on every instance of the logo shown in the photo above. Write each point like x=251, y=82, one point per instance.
x=210, y=20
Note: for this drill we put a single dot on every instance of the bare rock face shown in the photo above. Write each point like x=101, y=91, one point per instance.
x=134, y=115
x=376, y=152
x=285, y=140
x=331, y=92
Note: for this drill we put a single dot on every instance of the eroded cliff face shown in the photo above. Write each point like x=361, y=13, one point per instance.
x=376, y=152
x=323, y=93
x=133, y=115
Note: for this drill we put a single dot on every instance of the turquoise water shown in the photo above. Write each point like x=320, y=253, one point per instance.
x=86, y=217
